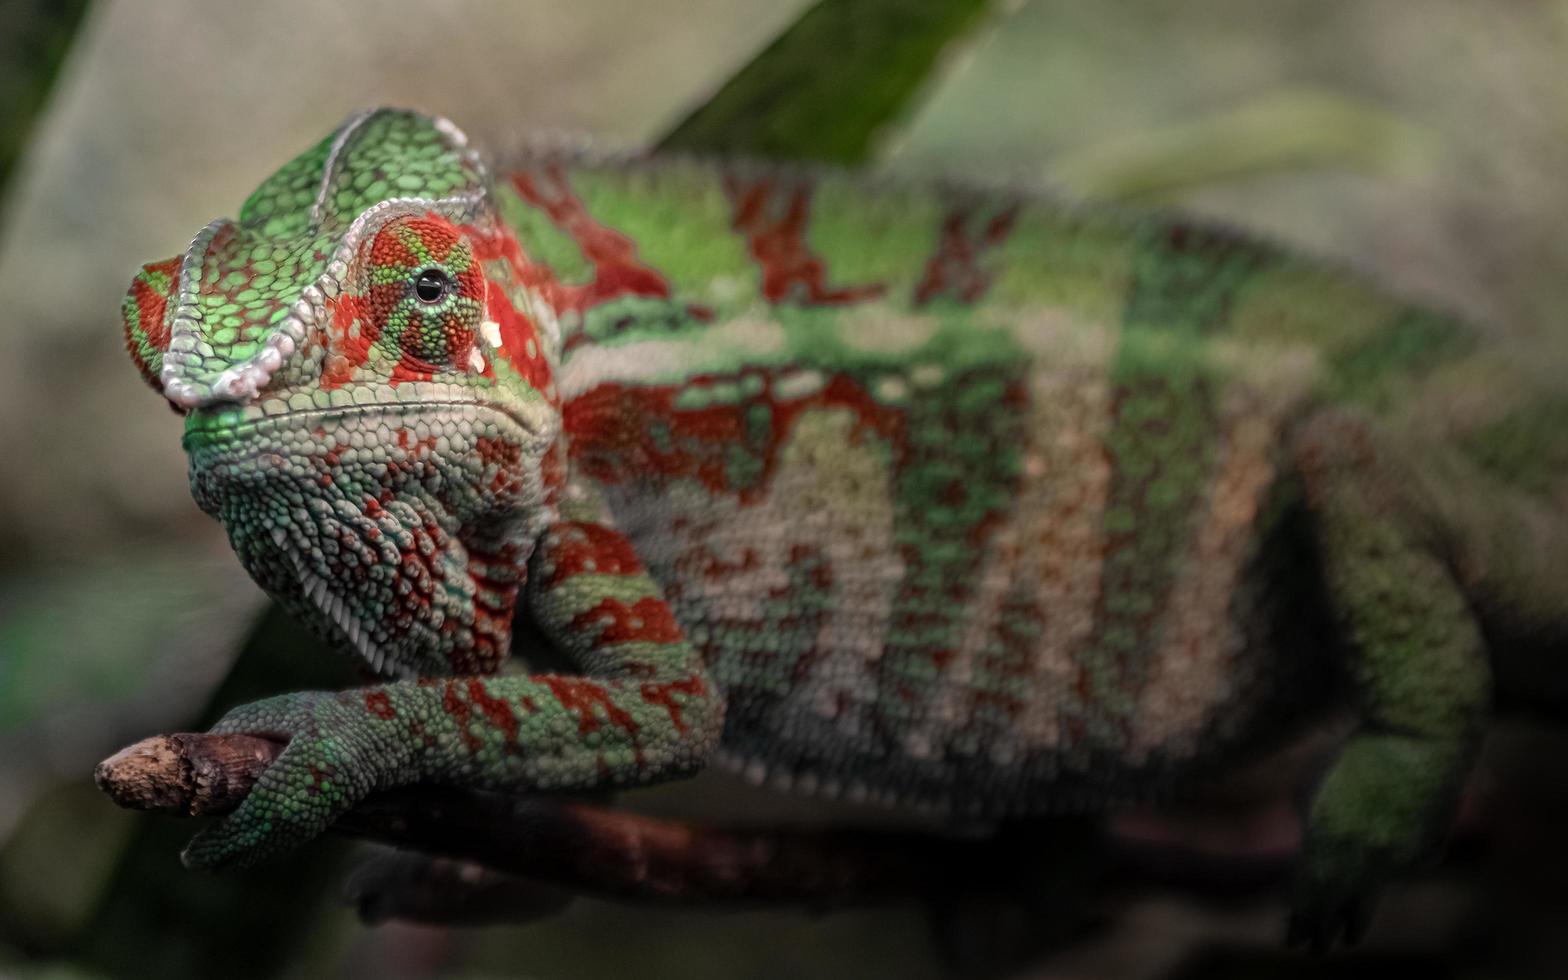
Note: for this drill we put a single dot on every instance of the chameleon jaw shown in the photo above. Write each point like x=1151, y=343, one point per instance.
x=363, y=518
x=315, y=588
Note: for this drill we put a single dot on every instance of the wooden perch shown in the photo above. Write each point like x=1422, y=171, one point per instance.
x=186, y=774
x=615, y=854
x=589, y=848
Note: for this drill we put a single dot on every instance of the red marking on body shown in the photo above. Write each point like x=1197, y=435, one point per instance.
x=415, y=451
x=497, y=576
x=495, y=709
x=346, y=352
x=503, y=467
x=459, y=711
x=379, y=703
x=583, y=546
x=519, y=337
x=151, y=304
x=932, y=587
x=319, y=775
x=616, y=269
x=518, y=332
x=1010, y=654
x=613, y=437
x=702, y=560
x=485, y=654
x=810, y=557
x=497, y=243
x=648, y=620
x=777, y=241
x=410, y=369
x=580, y=696
x=497, y=452
x=955, y=269
x=552, y=471
x=664, y=696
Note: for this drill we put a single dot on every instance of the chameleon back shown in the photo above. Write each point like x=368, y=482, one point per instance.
x=969, y=491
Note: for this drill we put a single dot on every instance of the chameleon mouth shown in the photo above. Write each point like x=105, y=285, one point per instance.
x=213, y=428
x=358, y=517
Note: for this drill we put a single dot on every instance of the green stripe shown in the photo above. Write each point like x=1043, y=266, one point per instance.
x=1162, y=443
x=582, y=593
x=1162, y=447
x=1187, y=278
x=545, y=241
x=957, y=475
x=679, y=216
x=1411, y=345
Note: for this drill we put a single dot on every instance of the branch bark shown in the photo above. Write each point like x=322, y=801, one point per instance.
x=587, y=847
x=615, y=854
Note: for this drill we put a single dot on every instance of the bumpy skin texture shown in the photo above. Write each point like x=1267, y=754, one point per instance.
x=958, y=500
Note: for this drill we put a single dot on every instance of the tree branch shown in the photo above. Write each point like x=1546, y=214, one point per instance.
x=186, y=774
x=615, y=854
x=590, y=848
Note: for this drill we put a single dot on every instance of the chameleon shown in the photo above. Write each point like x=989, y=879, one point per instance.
x=953, y=499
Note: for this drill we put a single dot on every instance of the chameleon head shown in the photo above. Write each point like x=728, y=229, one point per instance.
x=369, y=408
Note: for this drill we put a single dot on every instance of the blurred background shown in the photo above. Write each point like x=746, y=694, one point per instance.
x=1426, y=143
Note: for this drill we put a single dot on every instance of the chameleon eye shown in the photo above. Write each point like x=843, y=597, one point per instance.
x=432, y=286
x=423, y=295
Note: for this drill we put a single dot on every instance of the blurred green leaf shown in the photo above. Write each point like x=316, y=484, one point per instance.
x=33, y=43
x=827, y=86
x=1289, y=129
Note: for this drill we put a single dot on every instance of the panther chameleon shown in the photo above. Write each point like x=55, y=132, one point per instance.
x=934, y=496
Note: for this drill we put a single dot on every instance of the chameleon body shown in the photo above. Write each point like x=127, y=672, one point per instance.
x=937, y=497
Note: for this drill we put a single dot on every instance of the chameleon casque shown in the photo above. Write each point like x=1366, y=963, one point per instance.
x=932, y=496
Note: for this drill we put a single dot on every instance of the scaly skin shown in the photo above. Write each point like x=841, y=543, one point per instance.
x=958, y=500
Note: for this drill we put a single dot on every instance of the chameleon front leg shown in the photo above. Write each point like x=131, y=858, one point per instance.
x=644, y=709
x=1418, y=667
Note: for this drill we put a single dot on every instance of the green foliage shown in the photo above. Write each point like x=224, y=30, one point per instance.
x=1292, y=129
x=826, y=87
x=36, y=37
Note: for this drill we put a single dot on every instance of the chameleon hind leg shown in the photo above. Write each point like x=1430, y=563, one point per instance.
x=1416, y=663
